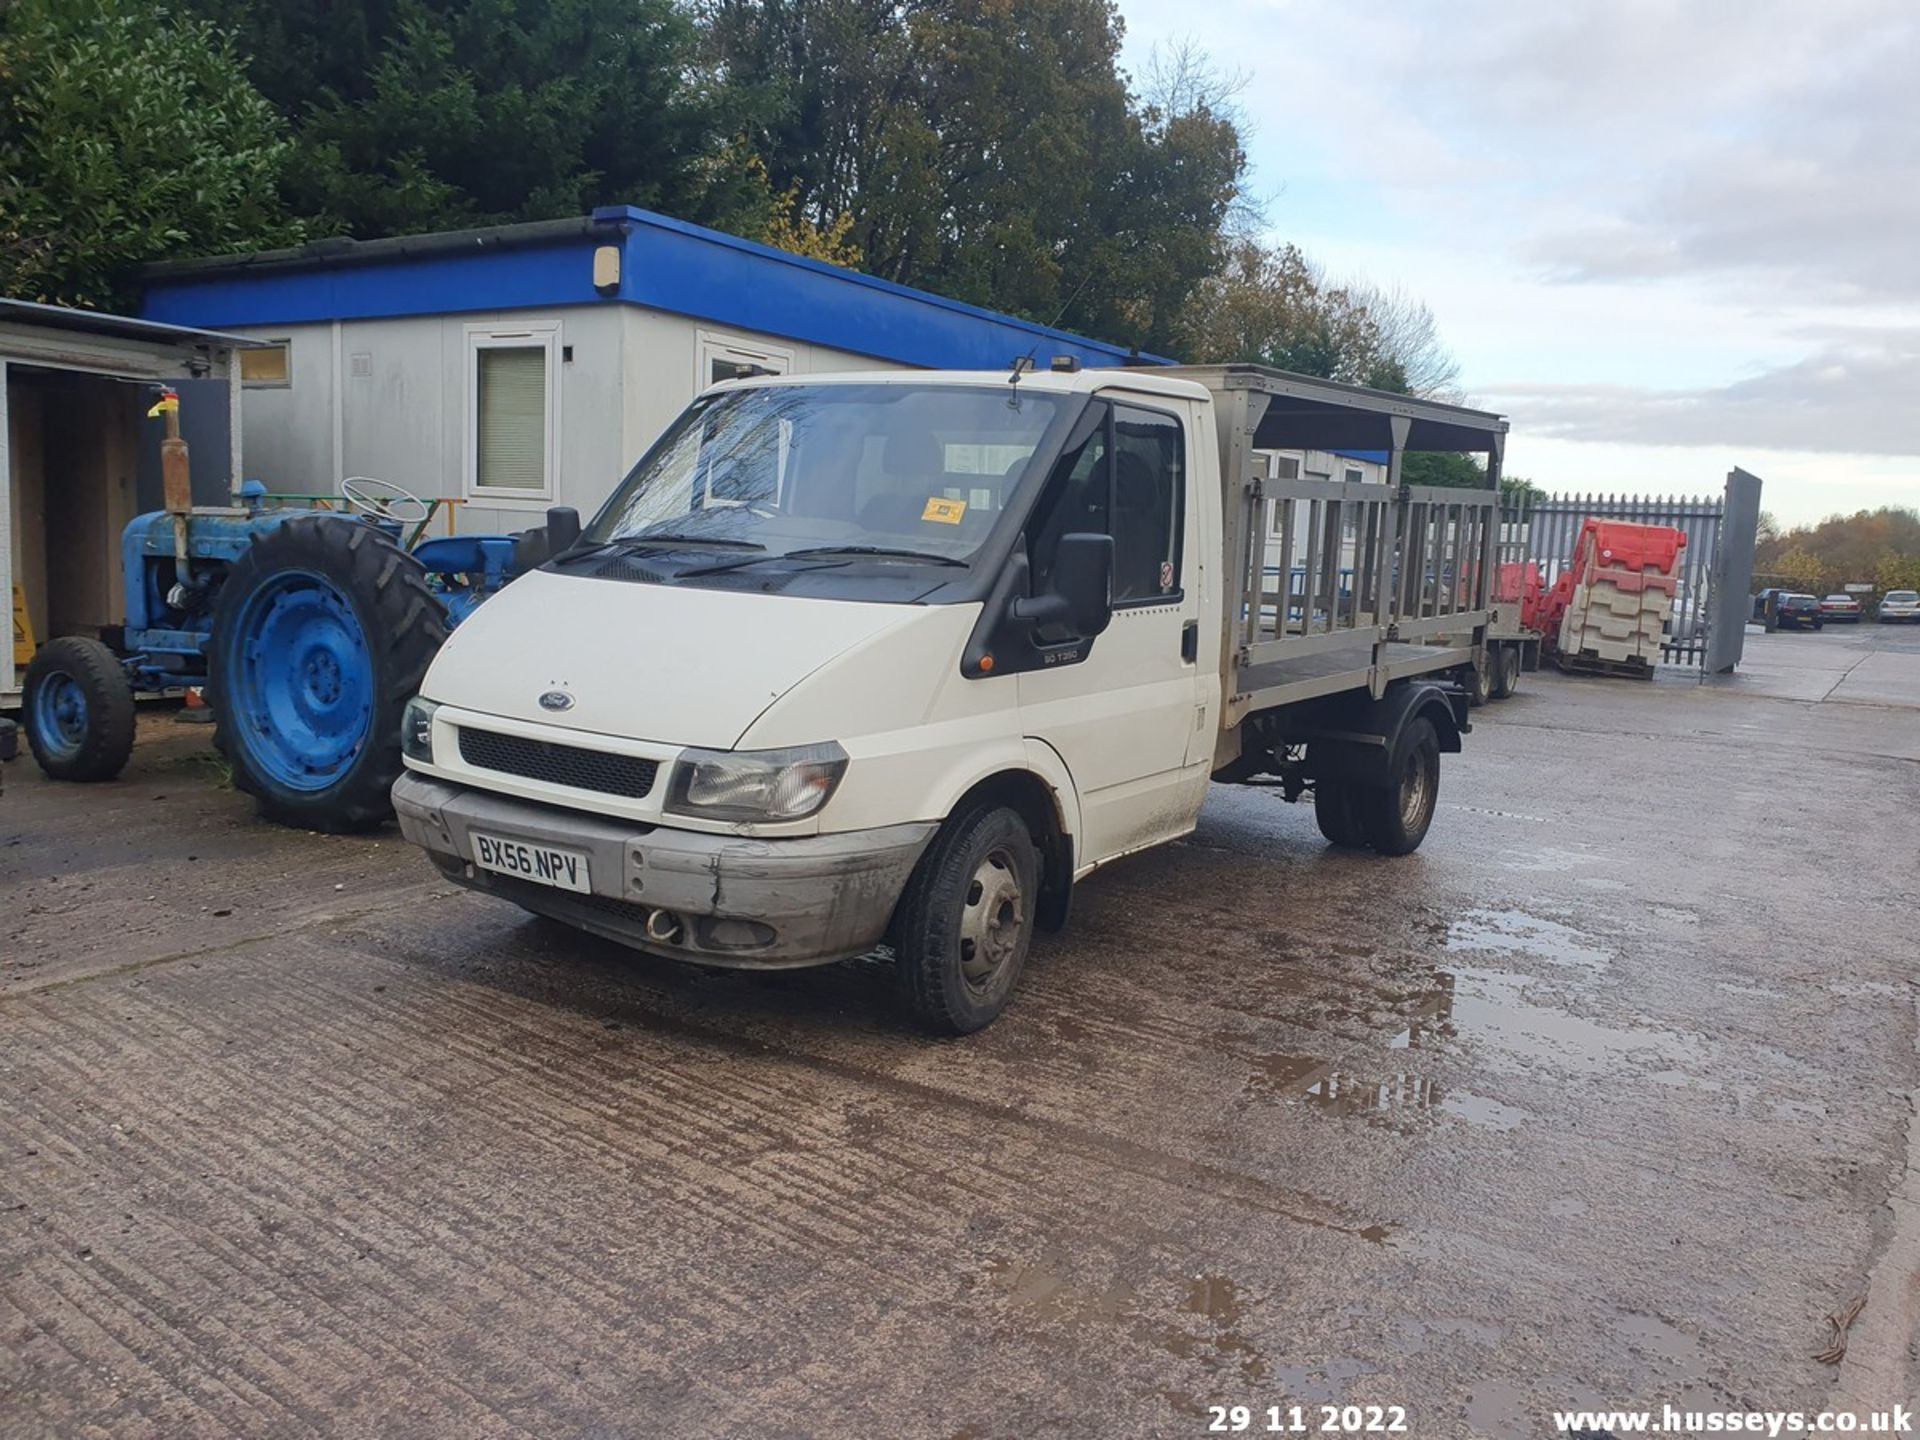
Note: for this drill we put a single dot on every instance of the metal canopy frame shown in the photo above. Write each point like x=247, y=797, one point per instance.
x=1418, y=596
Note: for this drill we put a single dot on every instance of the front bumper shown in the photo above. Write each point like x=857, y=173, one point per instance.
x=725, y=899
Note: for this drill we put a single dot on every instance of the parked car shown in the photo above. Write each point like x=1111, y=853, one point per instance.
x=1840, y=610
x=1760, y=600
x=1900, y=607
x=1799, y=612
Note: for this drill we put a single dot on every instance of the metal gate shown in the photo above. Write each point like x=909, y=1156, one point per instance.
x=1710, y=604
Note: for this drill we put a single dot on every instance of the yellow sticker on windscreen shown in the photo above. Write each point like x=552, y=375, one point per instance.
x=946, y=512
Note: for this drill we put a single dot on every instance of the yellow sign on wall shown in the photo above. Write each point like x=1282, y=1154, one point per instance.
x=23, y=646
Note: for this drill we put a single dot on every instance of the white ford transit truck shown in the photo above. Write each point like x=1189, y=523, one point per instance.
x=901, y=658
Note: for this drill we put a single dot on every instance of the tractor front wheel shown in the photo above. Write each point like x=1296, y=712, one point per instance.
x=323, y=631
x=79, y=710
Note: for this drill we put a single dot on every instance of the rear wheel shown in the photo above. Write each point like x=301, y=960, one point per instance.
x=1506, y=671
x=79, y=710
x=1333, y=811
x=323, y=631
x=1480, y=680
x=964, y=925
x=1396, y=816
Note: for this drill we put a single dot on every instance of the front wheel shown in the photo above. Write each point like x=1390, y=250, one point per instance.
x=79, y=710
x=963, y=927
x=1396, y=816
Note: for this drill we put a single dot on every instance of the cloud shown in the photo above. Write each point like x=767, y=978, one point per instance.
x=1853, y=396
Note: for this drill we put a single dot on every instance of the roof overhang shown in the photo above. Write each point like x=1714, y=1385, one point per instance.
x=116, y=327
x=1301, y=412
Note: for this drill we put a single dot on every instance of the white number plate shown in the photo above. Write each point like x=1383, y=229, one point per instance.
x=542, y=864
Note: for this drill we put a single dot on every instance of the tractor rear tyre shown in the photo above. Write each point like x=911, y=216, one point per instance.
x=323, y=631
x=78, y=709
x=1396, y=816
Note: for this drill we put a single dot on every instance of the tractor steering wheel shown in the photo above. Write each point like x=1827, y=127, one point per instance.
x=384, y=500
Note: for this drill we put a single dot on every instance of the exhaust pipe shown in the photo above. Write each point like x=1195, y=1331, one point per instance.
x=664, y=927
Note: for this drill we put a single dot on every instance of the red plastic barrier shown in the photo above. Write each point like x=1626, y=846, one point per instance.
x=1615, y=551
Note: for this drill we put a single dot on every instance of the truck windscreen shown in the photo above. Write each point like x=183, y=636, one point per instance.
x=894, y=473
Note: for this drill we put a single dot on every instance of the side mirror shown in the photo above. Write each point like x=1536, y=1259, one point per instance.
x=1080, y=597
x=563, y=528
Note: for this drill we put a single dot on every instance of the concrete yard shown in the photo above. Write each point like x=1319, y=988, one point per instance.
x=1601, y=1099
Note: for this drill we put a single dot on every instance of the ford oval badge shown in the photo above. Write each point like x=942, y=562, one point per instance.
x=556, y=700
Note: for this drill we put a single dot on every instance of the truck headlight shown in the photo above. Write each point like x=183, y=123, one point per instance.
x=756, y=784
x=416, y=730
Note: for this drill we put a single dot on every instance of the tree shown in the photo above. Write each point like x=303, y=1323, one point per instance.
x=1407, y=338
x=415, y=115
x=1443, y=467
x=126, y=135
x=987, y=150
x=1866, y=547
x=1269, y=306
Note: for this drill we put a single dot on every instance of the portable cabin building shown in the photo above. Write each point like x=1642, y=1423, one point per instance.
x=521, y=366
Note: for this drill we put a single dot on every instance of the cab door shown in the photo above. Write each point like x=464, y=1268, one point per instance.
x=1123, y=717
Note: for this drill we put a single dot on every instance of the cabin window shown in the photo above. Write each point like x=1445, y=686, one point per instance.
x=270, y=364
x=512, y=446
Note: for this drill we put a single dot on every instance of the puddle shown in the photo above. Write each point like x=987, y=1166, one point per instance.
x=1218, y=1307
x=1397, y=1097
x=1514, y=932
x=1328, y=1383
x=1490, y=1006
x=1481, y=1110
x=1544, y=860
x=1394, y=1096
x=1275, y=1076
x=1656, y=1339
x=1044, y=1289
x=1213, y=1296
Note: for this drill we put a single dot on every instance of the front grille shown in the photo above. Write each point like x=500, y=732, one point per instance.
x=627, y=775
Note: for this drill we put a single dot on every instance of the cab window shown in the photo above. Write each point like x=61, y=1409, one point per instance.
x=1125, y=479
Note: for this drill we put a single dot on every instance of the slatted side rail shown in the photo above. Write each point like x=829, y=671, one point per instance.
x=1333, y=565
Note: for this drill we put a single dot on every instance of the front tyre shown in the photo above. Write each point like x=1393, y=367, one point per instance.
x=1396, y=816
x=965, y=922
x=78, y=710
x=323, y=631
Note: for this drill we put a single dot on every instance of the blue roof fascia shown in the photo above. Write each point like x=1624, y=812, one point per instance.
x=690, y=270
x=1372, y=457
x=667, y=265
x=519, y=279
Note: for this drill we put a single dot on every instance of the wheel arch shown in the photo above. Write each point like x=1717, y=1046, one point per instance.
x=1042, y=803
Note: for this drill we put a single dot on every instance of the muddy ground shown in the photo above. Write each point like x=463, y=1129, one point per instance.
x=1598, y=1099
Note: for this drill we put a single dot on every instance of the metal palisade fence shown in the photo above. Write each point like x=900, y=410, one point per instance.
x=1715, y=567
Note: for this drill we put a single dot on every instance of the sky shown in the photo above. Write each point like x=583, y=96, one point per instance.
x=1664, y=238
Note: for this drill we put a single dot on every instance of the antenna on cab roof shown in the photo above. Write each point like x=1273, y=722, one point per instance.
x=1021, y=365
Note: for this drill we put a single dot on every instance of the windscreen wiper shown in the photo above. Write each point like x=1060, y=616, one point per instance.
x=883, y=551
x=846, y=554
x=657, y=540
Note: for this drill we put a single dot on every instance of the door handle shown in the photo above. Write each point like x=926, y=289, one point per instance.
x=1190, y=641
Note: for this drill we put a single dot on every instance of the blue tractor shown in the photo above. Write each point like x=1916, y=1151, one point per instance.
x=309, y=628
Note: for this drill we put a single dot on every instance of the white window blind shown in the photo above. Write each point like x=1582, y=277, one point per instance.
x=511, y=424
